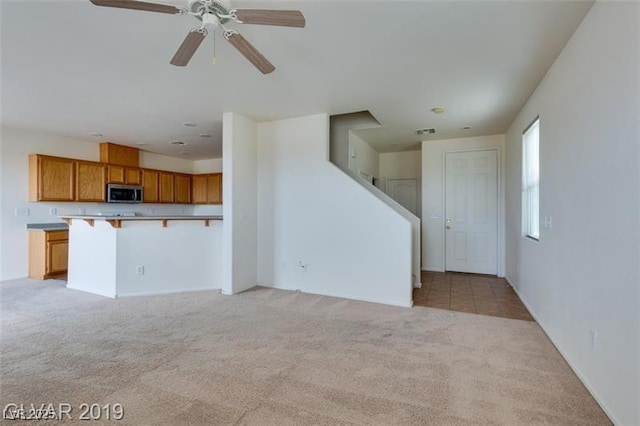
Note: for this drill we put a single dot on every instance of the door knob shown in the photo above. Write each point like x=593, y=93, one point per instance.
x=448, y=224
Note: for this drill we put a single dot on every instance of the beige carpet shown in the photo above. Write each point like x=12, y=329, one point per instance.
x=274, y=357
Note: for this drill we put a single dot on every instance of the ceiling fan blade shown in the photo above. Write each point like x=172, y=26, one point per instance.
x=283, y=18
x=249, y=52
x=138, y=5
x=188, y=47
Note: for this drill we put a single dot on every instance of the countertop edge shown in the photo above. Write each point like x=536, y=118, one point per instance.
x=123, y=218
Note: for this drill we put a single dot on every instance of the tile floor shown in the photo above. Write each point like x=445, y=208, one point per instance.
x=478, y=294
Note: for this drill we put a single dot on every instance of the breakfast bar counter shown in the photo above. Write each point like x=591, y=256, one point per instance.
x=117, y=256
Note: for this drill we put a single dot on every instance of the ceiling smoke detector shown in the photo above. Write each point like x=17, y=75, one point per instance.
x=423, y=131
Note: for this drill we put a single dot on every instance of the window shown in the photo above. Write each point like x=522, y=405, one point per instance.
x=531, y=180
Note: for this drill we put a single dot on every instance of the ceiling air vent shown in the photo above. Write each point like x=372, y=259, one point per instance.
x=425, y=131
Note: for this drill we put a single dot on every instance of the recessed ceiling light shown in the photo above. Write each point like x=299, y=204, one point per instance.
x=423, y=131
x=178, y=143
x=437, y=110
x=96, y=134
x=184, y=152
x=205, y=135
x=189, y=124
x=394, y=144
x=142, y=144
x=466, y=128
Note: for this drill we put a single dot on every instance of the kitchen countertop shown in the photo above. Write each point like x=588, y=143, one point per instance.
x=117, y=221
x=123, y=218
x=43, y=227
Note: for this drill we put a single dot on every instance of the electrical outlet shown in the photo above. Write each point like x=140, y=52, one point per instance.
x=53, y=211
x=594, y=339
x=21, y=212
x=139, y=270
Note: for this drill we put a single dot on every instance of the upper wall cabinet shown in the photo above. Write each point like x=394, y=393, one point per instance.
x=150, y=186
x=119, y=155
x=207, y=189
x=182, y=183
x=91, y=179
x=199, y=189
x=51, y=178
x=124, y=175
x=65, y=179
x=166, y=187
x=214, y=188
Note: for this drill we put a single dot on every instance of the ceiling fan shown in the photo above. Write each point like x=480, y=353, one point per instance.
x=214, y=14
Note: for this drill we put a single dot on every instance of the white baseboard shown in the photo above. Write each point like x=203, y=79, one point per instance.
x=340, y=296
x=9, y=280
x=159, y=293
x=584, y=381
x=97, y=293
x=426, y=269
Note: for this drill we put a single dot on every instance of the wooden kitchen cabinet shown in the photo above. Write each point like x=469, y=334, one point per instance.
x=166, y=187
x=182, y=184
x=124, y=175
x=150, y=186
x=214, y=188
x=207, y=189
x=119, y=155
x=91, y=180
x=199, y=189
x=48, y=253
x=51, y=178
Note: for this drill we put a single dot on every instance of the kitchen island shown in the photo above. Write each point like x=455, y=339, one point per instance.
x=117, y=256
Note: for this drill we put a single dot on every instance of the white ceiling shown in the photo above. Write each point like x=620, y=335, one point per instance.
x=70, y=68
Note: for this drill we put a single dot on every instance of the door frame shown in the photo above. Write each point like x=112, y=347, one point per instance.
x=500, y=207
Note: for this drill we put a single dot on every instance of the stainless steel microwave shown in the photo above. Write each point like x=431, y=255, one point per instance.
x=130, y=194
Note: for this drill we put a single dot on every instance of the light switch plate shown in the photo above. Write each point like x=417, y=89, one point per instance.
x=21, y=211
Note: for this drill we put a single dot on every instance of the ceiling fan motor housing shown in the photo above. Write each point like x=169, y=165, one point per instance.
x=216, y=7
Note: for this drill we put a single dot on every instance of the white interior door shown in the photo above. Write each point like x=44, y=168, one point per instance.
x=471, y=212
x=405, y=192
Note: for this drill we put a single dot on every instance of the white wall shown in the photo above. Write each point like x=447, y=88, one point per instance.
x=363, y=158
x=583, y=273
x=240, y=210
x=401, y=165
x=340, y=129
x=433, y=208
x=16, y=146
x=184, y=256
x=212, y=165
x=151, y=160
x=310, y=212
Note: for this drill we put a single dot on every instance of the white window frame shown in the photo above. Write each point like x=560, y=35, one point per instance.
x=531, y=181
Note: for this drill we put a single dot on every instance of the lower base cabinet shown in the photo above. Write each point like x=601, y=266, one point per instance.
x=48, y=253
